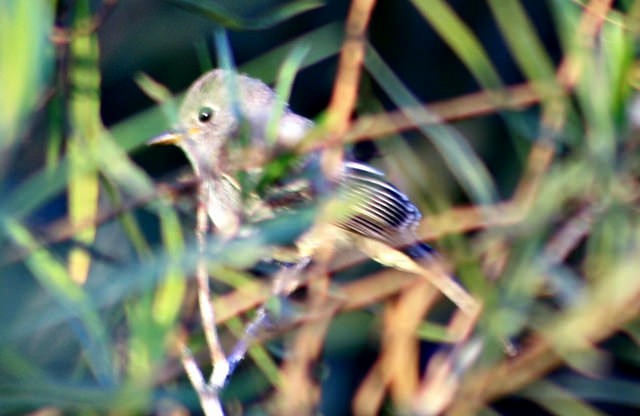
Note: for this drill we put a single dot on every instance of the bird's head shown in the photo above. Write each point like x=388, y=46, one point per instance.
x=223, y=115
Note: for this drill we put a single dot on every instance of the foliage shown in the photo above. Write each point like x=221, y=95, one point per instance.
x=513, y=125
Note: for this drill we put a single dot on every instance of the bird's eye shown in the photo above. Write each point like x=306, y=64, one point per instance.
x=205, y=114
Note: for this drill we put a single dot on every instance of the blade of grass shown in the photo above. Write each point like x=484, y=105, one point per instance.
x=322, y=43
x=284, y=83
x=83, y=189
x=603, y=95
x=152, y=317
x=524, y=45
x=226, y=62
x=53, y=276
x=158, y=93
x=128, y=221
x=110, y=287
x=233, y=20
x=614, y=390
x=170, y=293
x=457, y=153
x=461, y=39
x=431, y=332
x=25, y=60
x=558, y=401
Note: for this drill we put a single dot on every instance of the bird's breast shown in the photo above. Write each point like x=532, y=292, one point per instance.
x=224, y=206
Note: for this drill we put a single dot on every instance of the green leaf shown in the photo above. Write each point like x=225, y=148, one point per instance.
x=457, y=153
x=25, y=60
x=577, y=388
x=86, y=127
x=286, y=76
x=525, y=45
x=323, y=42
x=158, y=93
x=170, y=293
x=247, y=18
x=461, y=39
x=53, y=276
x=558, y=401
x=434, y=333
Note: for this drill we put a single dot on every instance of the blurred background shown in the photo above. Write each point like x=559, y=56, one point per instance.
x=96, y=232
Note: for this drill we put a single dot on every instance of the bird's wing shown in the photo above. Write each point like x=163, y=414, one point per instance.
x=367, y=205
x=374, y=207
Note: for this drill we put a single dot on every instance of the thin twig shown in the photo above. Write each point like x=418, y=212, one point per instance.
x=207, y=392
x=218, y=358
x=209, y=400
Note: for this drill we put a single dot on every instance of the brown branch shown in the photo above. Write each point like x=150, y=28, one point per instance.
x=375, y=126
x=397, y=364
x=345, y=90
x=476, y=104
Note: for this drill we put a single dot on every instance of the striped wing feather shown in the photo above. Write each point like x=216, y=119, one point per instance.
x=377, y=209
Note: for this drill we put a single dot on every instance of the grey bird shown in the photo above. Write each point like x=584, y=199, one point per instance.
x=224, y=130
x=222, y=126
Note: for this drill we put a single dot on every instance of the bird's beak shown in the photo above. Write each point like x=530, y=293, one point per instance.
x=168, y=137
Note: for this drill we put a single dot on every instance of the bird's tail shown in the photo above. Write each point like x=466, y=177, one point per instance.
x=419, y=251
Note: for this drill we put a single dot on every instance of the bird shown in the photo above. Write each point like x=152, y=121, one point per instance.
x=224, y=129
x=211, y=120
